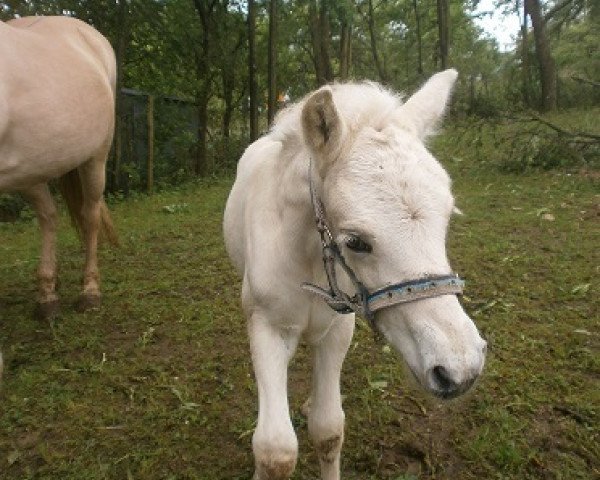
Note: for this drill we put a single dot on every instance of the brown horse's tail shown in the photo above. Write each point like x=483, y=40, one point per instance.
x=70, y=188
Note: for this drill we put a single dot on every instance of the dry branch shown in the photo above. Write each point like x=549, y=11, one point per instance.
x=587, y=81
x=562, y=131
x=577, y=137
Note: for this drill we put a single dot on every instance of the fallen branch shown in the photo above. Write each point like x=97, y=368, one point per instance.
x=577, y=137
x=587, y=81
x=562, y=131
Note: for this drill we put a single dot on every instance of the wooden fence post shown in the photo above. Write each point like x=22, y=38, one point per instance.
x=150, y=162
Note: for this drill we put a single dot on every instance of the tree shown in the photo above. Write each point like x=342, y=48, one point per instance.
x=206, y=12
x=525, y=73
x=252, y=70
x=320, y=35
x=544, y=55
x=443, y=29
x=226, y=55
x=374, y=50
x=345, y=51
x=345, y=15
x=230, y=49
x=272, y=68
x=418, y=37
x=122, y=42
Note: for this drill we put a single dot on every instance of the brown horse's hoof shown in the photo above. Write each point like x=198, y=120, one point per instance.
x=46, y=310
x=88, y=301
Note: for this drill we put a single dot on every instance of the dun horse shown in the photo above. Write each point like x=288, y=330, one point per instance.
x=57, y=96
x=349, y=159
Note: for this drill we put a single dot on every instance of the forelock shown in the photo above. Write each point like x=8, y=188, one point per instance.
x=384, y=182
x=361, y=105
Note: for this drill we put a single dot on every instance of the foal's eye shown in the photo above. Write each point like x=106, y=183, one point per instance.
x=357, y=244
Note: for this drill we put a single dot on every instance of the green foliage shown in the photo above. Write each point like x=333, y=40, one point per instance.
x=578, y=62
x=174, y=48
x=543, y=153
x=522, y=143
x=11, y=207
x=574, y=34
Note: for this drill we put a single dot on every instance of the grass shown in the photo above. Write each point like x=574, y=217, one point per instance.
x=158, y=383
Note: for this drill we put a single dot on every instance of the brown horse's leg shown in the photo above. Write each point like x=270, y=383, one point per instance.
x=45, y=208
x=92, y=175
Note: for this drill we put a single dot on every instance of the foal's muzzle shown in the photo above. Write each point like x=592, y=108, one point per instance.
x=445, y=386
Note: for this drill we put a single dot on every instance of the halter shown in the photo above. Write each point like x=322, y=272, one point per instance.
x=363, y=302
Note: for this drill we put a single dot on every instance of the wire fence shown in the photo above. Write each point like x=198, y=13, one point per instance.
x=154, y=147
x=154, y=142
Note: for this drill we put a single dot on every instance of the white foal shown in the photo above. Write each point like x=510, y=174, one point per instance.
x=353, y=156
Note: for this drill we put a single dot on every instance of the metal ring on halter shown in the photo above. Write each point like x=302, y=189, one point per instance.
x=363, y=302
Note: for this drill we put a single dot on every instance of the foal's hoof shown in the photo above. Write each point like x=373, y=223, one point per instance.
x=275, y=469
x=46, y=310
x=88, y=301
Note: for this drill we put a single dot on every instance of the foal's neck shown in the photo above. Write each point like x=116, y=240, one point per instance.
x=298, y=215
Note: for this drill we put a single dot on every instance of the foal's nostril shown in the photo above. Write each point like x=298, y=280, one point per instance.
x=444, y=381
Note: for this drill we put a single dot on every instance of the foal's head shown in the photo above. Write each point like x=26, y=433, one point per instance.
x=388, y=202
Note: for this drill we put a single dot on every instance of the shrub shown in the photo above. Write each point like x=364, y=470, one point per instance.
x=11, y=207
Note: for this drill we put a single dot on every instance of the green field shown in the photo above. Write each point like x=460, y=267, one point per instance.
x=158, y=383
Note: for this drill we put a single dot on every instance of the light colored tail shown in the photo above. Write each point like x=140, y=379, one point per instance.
x=70, y=188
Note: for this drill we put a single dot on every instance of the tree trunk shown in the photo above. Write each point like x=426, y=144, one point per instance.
x=419, y=38
x=253, y=89
x=380, y=68
x=228, y=86
x=525, y=77
x=150, y=130
x=272, y=67
x=120, y=54
x=443, y=21
x=320, y=36
x=201, y=164
x=228, y=78
x=325, y=30
x=204, y=11
x=545, y=60
x=345, y=49
x=315, y=37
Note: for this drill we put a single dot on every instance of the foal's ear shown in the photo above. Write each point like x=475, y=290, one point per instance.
x=323, y=128
x=423, y=110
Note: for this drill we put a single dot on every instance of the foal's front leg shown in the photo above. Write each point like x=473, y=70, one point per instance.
x=326, y=417
x=274, y=442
